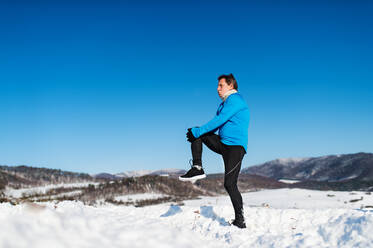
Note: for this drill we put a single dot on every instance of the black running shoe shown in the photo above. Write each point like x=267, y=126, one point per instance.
x=195, y=173
x=240, y=223
x=239, y=219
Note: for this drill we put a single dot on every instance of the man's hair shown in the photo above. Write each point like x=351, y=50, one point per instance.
x=230, y=80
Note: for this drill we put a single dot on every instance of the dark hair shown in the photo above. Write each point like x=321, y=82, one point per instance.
x=230, y=80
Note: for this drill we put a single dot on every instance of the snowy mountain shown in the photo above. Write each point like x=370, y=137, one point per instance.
x=140, y=173
x=20, y=176
x=137, y=173
x=331, y=168
x=168, y=172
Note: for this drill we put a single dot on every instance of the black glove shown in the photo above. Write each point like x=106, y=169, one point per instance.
x=190, y=136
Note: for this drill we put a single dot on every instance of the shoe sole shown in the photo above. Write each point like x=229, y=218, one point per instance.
x=192, y=178
x=231, y=223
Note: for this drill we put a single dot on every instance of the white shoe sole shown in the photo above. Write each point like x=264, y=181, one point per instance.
x=192, y=178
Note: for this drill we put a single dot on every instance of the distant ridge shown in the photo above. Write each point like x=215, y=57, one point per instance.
x=332, y=168
x=334, y=172
x=140, y=173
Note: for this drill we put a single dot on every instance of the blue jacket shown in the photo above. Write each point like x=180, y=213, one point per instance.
x=232, y=120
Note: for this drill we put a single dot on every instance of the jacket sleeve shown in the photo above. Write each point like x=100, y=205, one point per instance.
x=229, y=109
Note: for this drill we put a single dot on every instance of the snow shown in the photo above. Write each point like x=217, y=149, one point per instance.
x=295, y=199
x=138, y=197
x=347, y=178
x=290, y=181
x=137, y=173
x=290, y=160
x=289, y=218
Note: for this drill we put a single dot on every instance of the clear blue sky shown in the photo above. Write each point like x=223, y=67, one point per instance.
x=113, y=86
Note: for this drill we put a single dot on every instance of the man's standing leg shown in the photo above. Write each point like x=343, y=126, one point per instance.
x=233, y=156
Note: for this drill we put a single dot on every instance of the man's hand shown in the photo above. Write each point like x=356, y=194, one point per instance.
x=190, y=136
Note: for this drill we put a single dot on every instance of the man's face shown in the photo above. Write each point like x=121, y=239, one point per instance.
x=223, y=87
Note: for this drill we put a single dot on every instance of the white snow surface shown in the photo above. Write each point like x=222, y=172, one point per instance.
x=275, y=218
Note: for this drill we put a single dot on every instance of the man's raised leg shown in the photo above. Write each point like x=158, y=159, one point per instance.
x=196, y=172
x=213, y=142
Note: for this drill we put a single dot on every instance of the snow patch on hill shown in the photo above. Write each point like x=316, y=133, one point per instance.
x=289, y=181
x=290, y=160
x=17, y=193
x=139, y=197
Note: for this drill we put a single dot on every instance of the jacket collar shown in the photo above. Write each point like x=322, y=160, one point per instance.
x=228, y=93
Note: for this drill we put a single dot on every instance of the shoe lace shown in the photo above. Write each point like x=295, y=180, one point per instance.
x=191, y=162
x=193, y=165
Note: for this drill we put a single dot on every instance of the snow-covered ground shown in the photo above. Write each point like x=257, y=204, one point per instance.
x=275, y=218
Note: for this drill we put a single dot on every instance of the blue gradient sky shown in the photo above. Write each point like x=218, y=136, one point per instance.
x=109, y=87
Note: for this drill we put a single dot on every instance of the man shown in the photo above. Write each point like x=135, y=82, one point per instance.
x=232, y=121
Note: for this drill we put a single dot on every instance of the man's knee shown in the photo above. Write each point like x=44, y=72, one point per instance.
x=206, y=136
x=212, y=141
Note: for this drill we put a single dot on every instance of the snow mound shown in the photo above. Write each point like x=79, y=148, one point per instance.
x=198, y=223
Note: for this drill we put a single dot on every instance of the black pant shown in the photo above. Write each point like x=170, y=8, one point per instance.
x=232, y=156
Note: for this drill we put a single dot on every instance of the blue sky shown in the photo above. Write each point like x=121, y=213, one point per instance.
x=113, y=86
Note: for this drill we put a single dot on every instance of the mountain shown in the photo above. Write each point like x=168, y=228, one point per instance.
x=336, y=172
x=168, y=172
x=23, y=183
x=333, y=168
x=21, y=176
x=137, y=173
x=106, y=176
x=140, y=173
